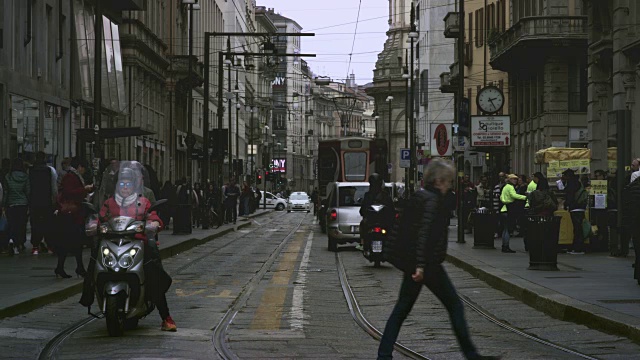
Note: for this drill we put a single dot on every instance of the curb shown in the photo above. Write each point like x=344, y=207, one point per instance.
x=62, y=294
x=550, y=302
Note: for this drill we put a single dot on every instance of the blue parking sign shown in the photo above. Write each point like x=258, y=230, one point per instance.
x=405, y=158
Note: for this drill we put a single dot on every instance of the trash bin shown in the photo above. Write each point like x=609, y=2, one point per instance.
x=543, y=233
x=182, y=219
x=484, y=228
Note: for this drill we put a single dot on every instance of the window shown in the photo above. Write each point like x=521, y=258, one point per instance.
x=424, y=88
x=351, y=195
x=61, y=22
x=355, y=166
x=577, y=86
x=480, y=25
x=470, y=28
x=476, y=29
x=28, y=23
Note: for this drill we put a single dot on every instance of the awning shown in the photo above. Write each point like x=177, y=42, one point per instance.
x=544, y=156
x=87, y=134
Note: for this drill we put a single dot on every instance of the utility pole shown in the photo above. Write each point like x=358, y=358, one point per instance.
x=190, y=138
x=413, y=34
x=229, y=108
x=460, y=158
x=97, y=79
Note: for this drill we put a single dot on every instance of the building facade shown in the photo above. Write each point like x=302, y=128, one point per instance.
x=548, y=96
x=614, y=68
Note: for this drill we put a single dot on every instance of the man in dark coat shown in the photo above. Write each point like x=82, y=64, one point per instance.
x=631, y=217
x=43, y=181
x=428, y=228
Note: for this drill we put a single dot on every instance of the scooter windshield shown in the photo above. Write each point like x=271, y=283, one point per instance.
x=124, y=192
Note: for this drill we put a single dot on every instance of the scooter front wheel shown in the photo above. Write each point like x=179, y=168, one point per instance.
x=114, y=314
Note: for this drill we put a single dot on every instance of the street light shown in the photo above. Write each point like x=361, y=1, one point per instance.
x=413, y=35
x=389, y=101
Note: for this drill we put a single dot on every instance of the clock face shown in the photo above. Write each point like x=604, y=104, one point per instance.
x=490, y=100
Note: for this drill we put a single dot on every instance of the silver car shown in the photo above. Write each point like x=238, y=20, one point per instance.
x=343, y=211
x=299, y=201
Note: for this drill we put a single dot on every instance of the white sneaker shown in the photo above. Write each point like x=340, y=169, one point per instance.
x=16, y=251
x=576, y=252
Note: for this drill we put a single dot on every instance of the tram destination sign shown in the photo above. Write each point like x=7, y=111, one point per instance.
x=488, y=130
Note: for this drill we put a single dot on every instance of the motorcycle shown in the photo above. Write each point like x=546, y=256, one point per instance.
x=122, y=288
x=375, y=231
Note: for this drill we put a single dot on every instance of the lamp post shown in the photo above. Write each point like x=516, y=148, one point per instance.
x=190, y=138
x=405, y=76
x=413, y=35
x=236, y=91
x=389, y=101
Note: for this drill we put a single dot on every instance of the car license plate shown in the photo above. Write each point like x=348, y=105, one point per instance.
x=355, y=229
x=376, y=246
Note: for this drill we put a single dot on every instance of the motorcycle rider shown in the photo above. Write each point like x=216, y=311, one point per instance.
x=128, y=200
x=375, y=196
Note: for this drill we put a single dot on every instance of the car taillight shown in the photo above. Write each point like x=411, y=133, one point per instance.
x=333, y=215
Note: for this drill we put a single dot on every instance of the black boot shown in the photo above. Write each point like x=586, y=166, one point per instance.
x=506, y=249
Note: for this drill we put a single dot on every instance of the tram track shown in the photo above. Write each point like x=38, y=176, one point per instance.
x=55, y=344
x=359, y=317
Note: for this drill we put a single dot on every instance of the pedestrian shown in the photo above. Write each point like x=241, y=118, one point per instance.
x=630, y=220
x=507, y=212
x=520, y=206
x=576, y=199
x=165, y=210
x=43, y=182
x=245, y=196
x=496, y=203
x=64, y=168
x=483, y=192
x=17, y=205
x=196, y=198
x=542, y=201
x=617, y=247
x=635, y=170
x=231, y=194
x=427, y=227
x=258, y=197
x=314, y=200
x=70, y=217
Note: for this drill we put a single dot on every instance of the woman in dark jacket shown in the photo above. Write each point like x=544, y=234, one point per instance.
x=16, y=203
x=71, y=216
x=542, y=201
x=428, y=221
x=165, y=210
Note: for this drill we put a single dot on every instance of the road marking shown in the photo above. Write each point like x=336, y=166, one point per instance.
x=223, y=294
x=182, y=293
x=27, y=334
x=297, y=306
x=268, y=315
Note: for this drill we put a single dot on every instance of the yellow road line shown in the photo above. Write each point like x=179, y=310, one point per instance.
x=268, y=315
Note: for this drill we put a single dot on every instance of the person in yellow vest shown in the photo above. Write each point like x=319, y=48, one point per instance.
x=508, y=197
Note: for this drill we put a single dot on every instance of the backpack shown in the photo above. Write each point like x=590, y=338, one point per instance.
x=400, y=248
x=582, y=198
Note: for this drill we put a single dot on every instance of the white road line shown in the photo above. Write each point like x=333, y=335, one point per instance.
x=297, y=306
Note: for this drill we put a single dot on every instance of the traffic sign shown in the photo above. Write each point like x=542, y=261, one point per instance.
x=405, y=158
x=441, y=144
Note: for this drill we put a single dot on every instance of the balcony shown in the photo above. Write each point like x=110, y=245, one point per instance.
x=533, y=38
x=452, y=25
x=180, y=74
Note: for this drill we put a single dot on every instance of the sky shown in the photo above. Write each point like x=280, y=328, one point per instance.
x=334, y=23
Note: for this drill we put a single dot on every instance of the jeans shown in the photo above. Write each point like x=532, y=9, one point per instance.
x=505, y=229
x=17, y=216
x=436, y=279
x=41, y=218
x=577, y=217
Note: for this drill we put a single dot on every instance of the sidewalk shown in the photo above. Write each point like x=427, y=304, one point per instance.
x=27, y=281
x=592, y=289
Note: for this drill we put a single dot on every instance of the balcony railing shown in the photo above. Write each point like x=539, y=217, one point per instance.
x=540, y=28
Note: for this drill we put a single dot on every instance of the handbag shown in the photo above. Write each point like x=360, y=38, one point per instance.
x=586, y=228
x=4, y=225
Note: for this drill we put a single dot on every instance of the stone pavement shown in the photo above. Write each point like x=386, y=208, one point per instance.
x=28, y=282
x=594, y=289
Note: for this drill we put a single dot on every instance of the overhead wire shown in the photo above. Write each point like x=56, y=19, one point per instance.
x=354, y=38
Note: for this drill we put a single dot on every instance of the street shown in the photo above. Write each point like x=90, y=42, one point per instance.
x=280, y=288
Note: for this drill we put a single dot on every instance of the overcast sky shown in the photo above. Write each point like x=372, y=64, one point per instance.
x=334, y=23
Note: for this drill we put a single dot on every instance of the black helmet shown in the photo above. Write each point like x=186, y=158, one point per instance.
x=376, y=181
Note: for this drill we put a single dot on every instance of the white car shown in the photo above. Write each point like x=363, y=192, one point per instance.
x=272, y=201
x=299, y=201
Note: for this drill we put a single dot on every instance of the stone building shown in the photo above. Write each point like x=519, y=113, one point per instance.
x=614, y=67
x=544, y=51
x=389, y=87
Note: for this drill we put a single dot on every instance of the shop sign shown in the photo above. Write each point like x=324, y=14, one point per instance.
x=579, y=167
x=489, y=130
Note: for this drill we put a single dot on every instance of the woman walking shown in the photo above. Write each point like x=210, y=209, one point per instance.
x=16, y=205
x=71, y=216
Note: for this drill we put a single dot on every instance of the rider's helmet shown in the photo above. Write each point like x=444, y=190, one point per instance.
x=376, y=182
x=129, y=177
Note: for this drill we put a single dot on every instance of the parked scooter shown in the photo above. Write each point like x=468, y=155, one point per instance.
x=375, y=231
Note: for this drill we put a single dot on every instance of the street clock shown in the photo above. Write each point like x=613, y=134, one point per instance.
x=490, y=100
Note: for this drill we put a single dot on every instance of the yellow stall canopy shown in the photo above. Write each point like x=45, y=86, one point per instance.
x=547, y=155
